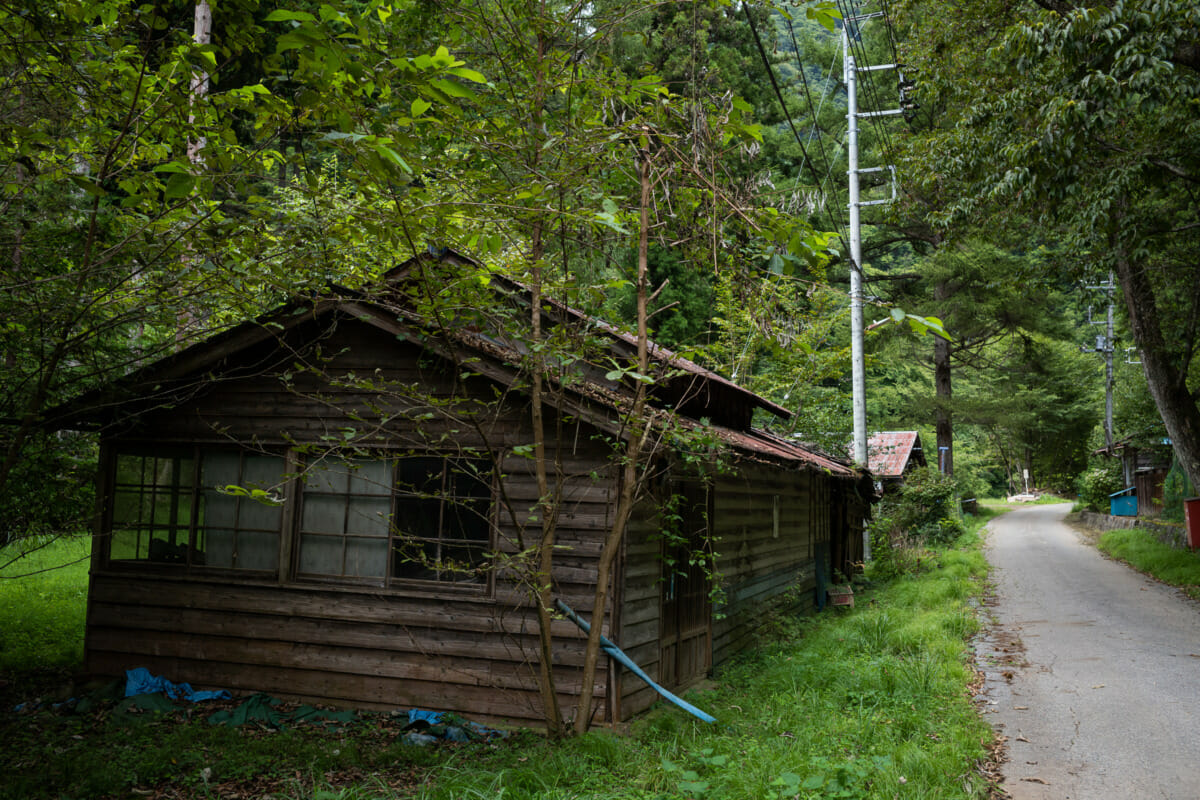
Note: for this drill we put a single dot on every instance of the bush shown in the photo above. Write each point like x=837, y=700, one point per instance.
x=1095, y=485
x=1176, y=489
x=50, y=489
x=924, y=512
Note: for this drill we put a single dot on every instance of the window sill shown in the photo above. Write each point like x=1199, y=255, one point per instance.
x=480, y=593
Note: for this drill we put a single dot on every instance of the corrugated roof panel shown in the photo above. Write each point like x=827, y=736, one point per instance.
x=888, y=452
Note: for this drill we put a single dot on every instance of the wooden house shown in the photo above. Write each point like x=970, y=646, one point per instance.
x=1144, y=469
x=328, y=503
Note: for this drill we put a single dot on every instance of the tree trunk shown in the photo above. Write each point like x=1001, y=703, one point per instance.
x=638, y=428
x=1167, y=381
x=943, y=392
x=188, y=318
x=548, y=496
x=201, y=34
x=543, y=578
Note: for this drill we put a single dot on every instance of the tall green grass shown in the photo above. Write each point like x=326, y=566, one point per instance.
x=1145, y=553
x=864, y=703
x=869, y=702
x=43, y=602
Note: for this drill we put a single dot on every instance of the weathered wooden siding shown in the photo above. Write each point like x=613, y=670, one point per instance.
x=760, y=558
x=326, y=385
x=474, y=651
x=640, y=608
x=435, y=648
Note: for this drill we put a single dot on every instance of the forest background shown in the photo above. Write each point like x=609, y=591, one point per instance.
x=163, y=180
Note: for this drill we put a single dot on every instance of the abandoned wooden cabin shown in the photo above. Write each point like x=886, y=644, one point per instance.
x=307, y=505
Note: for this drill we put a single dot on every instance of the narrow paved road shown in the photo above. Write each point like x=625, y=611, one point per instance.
x=1092, y=670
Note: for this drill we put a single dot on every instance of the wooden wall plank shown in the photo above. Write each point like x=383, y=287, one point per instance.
x=360, y=691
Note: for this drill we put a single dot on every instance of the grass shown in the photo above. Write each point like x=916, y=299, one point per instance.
x=1146, y=554
x=1042, y=500
x=43, y=598
x=870, y=702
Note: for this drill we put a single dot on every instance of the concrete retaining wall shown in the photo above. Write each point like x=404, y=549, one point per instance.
x=1172, y=535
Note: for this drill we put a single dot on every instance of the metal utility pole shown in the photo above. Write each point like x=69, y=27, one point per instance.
x=1105, y=346
x=858, y=381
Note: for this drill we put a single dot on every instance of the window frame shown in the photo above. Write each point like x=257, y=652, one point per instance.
x=191, y=494
x=113, y=501
x=447, y=498
x=390, y=580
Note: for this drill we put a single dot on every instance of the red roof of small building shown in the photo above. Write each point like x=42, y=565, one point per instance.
x=889, y=452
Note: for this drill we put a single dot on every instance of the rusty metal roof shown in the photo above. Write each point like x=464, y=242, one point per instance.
x=889, y=452
x=766, y=445
x=750, y=442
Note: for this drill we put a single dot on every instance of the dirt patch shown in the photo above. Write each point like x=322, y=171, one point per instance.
x=1088, y=534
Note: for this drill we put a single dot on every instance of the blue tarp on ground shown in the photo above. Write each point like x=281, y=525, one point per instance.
x=425, y=727
x=141, y=681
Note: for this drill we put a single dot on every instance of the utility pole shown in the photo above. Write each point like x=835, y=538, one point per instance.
x=858, y=382
x=1105, y=346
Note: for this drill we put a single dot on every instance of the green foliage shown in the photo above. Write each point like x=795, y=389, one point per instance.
x=922, y=514
x=1097, y=483
x=927, y=506
x=787, y=340
x=50, y=490
x=869, y=703
x=1083, y=118
x=681, y=318
x=1176, y=488
x=1022, y=395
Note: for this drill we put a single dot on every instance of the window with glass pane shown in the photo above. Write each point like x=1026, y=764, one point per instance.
x=152, y=508
x=346, y=519
x=443, y=530
x=176, y=509
x=236, y=531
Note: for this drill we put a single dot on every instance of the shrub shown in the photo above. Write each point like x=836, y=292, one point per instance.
x=50, y=489
x=924, y=512
x=1176, y=489
x=1095, y=485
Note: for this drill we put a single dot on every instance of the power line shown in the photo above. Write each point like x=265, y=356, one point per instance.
x=860, y=53
x=816, y=113
x=858, y=48
x=887, y=21
x=774, y=83
x=787, y=114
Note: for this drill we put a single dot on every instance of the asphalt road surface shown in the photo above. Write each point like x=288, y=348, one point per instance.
x=1092, y=669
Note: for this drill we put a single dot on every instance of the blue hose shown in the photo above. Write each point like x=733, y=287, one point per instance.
x=615, y=653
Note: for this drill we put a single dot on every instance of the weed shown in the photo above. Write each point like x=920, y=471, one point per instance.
x=872, y=630
x=1145, y=553
x=862, y=704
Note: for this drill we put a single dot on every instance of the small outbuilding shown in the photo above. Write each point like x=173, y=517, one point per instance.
x=891, y=455
x=331, y=502
x=1144, y=469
